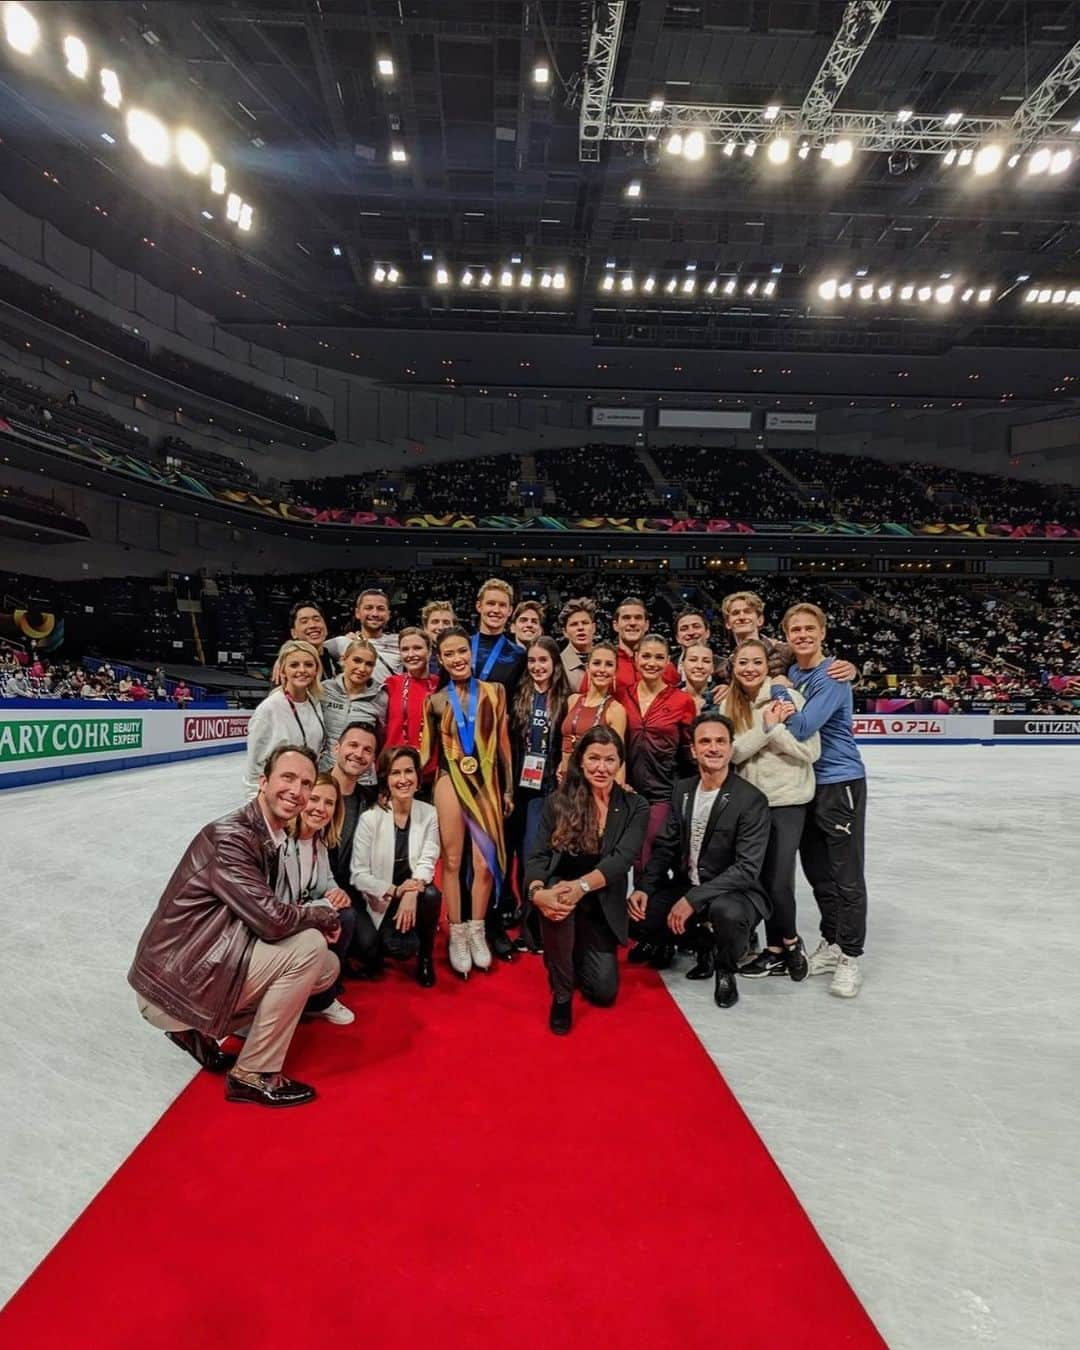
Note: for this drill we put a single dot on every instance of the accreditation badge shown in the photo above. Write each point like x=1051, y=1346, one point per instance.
x=532, y=772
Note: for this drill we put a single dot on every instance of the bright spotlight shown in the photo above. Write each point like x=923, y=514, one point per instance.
x=968, y=293
x=694, y=145
x=1014, y=160
x=1058, y=297
x=729, y=286
x=192, y=151
x=379, y=274
x=149, y=136
x=842, y=154
x=232, y=206
x=689, y=286
x=506, y=278
x=467, y=277
x=633, y=189
x=393, y=276
x=656, y=104
x=769, y=288
x=1032, y=295
x=1044, y=296
x=985, y=295
x=710, y=289
x=866, y=291
x=950, y=157
x=844, y=290
x=674, y=143
x=541, y=75
x=827, y=150
x=608, y=283
x=1074, y=297
x=966, y=156
x=944, y=294
x=752, y=288
x=804, y=150
x=110, y=88
x=442, y=277
x=779, y=150
x=750, y=148
x=885, y=292
x=526, y=281
x=649, y=285
x=76, y=57
x=21, y=29
x=559, y=280
x=627, y=283
x=772, y=112
x=730, y=148
x=245, y=219
x=906, y=292
x=485, y=277
x=217, y=178
x=924, y=293
x=1039, y=162
x=827, y=289
x=1060, y=161
x=385, y=67
x=988, y=160
x=904, y=115
x=545, y=281
x=953, y=119
x=672, y=283
x=398, y=155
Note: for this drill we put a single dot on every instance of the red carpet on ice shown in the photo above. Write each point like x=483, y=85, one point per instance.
x=465, y=1179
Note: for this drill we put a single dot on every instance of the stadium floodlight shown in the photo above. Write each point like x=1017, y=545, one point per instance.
x=1060, y=160
x=779, y=150
x=772, y=112
x=804, y=150
x=247, y=215
x=442, y=276
x=950, y=158
x=545, y=281
x=541, y=75
x=710, y=289
x=379, y=274
x=656, y=104
x=750, y=148
x=110, y=88
x=730, y=148
x=752, y=288
x=633, y=189
x=1044, y=296
x=729, y=286
x=843, y=152
x=385, y=67
x=526, y=280
x=906, y=292
x=674, y=143
x=953, y=119
x=217, y=179
x=826, y=151
x=76, y=57
x=649, y=285
x=232, y=206
x=966, y=156
x=485, y=277
x=904, y=115
x=192, y=151
x=506, y=278
x=844, y=290
x=398, y=155
x=627, y=283
x=1074, y=297
x=467, y=277
x=393, y=276
x=149, y=136
x=924, y=294
x=608, y=282
x=1032, y=295
x=558, y=280
x=1014, y=159
x=1039, y=161
x=827, y=289
x=694, y=145
x=944, y=294
x=967, y=294
x=769, y=288
x=21, y=29
x=866, y=291
x=885, y=292
x=988, y=160
x=985, y=295
x=689, y=286
x=1058, y=297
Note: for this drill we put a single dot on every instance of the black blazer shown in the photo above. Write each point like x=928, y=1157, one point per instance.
x=624, y=834
x=736, y=836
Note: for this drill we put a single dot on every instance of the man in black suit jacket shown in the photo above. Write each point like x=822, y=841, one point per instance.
x=706, y=862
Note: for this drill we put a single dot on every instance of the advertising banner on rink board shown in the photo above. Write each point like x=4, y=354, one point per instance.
x=951, y=728
x=48, y=741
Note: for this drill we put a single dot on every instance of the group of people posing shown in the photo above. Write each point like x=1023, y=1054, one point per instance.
x=580, y=794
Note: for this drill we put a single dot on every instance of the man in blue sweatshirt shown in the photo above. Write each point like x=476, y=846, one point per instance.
x=833, y=845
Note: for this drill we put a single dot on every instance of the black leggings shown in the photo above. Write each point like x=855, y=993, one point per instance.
x=778, y=871
x=368, y=941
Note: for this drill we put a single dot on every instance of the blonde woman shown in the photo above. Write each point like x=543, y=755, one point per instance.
x=768, y=756
x=305, y=878
x=291, y=714
x=353, y=696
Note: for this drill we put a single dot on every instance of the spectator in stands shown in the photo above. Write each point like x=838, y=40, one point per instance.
x=496, y=657
x=394, y=856
x=181, y=694
x=72, y=399
x=352, y=696
x=631, y=622
x=222, y=950
x=577, y=623
x=372, y=613
x=527, y=622
x=290, y=714
x=594, y=705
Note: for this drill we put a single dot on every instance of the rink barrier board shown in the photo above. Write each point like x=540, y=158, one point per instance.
x=40, y=742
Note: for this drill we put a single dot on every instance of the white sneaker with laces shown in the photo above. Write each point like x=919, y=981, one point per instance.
x=847, y=981
x=458, y=952
x=822, y=960
x=338, y=1014
x=478, y=948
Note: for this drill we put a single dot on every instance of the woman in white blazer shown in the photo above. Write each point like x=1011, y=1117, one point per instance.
x=767, y=755
x=395, y=849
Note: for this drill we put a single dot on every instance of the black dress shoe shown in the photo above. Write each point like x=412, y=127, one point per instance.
x=561, y=1017
x=203, y=1048
x=272, y=1089
x=500, y=944
x=726, y=993
x=662, y=956
x=637, y=956
x=425, y=972
x=706, y=964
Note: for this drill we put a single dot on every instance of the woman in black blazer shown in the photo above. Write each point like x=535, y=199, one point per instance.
x=590, y=833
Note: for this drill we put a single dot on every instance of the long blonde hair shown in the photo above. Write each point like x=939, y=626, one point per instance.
x=737, y=702
x=286, y=649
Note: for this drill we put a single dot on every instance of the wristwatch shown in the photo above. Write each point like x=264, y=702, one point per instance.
x=585, y=887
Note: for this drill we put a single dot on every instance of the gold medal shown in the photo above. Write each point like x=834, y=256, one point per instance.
x=468, y=764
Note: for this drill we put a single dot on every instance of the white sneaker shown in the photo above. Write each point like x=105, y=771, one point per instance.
x=460, y=956
x=478, y=948
x=338, y=1014
x=823, y=958
x=848, y=978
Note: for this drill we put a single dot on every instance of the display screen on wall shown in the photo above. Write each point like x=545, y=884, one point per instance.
x=618, y=417
x=691, y=418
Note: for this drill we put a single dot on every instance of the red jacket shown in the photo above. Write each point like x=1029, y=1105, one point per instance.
x=405, y=699
x=658, y=744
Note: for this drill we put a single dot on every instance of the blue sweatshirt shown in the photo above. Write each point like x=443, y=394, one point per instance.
x=830, y=707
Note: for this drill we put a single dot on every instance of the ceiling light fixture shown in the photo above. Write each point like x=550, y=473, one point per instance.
x=21, y=29
x=76, y=57
x=110, y=88
x=1039, y=161
x=541, y=75
x=149, y=136
x=694, y=145
x=843, y=152
x=772, y=112
x=953, y=119
x=398, y=155
x=633, y=189
x=385, y=67
x=988, y=160
x=674, y=143
x=192, y=151
x=779, y=150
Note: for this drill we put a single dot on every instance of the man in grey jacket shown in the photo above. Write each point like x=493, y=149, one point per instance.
x=222, y=950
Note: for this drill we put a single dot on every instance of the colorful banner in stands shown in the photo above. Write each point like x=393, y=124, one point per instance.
x=67, y=740
x=245, y=500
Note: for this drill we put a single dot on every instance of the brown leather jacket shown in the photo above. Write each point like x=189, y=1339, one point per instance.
x=192, y=957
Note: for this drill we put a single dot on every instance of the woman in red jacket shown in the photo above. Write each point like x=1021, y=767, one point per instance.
x=408, y=692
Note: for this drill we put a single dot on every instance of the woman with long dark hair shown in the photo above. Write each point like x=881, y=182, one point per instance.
x=591, y=830
x=466, y=722
x=595, y=704
x=535, y=718
x=395, y=850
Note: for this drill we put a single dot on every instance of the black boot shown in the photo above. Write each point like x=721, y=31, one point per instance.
x=726, y=992
x=641, y=953
x=706, y=964
x=425, y=972
x=662, y=957
x=499, y=942
x=561, y=1018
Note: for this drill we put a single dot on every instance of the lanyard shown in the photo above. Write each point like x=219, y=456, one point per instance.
x=466, y=722
x=540, y=726
x=492, y=657
x=318, y=717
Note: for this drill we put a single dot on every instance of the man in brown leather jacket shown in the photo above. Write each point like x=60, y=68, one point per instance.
x=222, y=951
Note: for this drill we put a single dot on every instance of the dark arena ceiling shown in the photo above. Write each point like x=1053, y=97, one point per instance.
x=446, y=169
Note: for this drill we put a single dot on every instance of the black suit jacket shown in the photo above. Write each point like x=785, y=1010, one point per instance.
x=736, y=836
x=624, y=834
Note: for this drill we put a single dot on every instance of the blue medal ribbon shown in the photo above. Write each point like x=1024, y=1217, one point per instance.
x=466, y=722
x=492, y=657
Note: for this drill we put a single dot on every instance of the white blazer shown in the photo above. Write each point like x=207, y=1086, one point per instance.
x=372, y=868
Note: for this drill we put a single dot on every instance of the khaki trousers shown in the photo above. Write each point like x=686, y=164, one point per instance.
x=281, y=977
